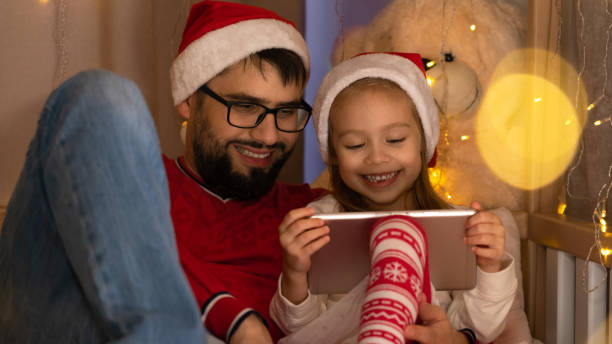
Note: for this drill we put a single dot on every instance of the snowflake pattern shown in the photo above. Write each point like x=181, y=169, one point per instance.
x=395, y=272
x=374, y=275
x=414, y=284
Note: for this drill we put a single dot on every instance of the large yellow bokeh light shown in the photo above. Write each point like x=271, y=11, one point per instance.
x=527, y=126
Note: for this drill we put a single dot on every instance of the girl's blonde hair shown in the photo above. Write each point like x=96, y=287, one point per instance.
x=425, y=196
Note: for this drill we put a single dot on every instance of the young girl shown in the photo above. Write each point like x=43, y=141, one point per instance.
x=377, y=126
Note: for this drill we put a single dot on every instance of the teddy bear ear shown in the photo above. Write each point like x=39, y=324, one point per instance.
x=348, y=44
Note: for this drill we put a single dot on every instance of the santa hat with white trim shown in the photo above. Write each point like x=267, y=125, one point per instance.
x=404, y=69
x=219, y=34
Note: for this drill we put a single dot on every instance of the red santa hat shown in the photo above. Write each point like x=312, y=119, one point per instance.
x=406, y=70
x=218, y=34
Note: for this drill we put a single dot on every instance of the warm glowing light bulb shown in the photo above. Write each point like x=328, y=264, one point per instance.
x=537, y=100
x=605, y=251
x=590, y=107
x=431, y=64
x=603, y=213
x=465, y=137
x=597, y=123
x=568, y=122
x=561, y=208
x=449, y=196
x=434, y=175
x=472, y=27
x=430, y=81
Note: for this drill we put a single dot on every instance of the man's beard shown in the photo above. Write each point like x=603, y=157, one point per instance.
x=214, y=165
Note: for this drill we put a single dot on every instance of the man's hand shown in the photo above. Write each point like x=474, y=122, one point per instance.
x=300, y=236
x=436, y=327
x=486, y=234
x=251, y=330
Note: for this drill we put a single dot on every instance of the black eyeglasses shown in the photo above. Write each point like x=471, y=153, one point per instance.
x=290, y=119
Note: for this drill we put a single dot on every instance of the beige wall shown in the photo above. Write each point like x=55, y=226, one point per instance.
x=136, y=39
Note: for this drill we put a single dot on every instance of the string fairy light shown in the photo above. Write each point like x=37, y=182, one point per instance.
x=599, y=212
x=59, y=35
x=437, y=174
x=483, y=66
x=599, y=219
x=591, y=106
x=561, y=208
x=578, y=159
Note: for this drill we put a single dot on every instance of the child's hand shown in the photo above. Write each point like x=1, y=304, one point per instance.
x=486, y=234
x=300, y=237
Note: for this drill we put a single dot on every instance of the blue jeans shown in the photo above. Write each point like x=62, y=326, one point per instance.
x=87, y=249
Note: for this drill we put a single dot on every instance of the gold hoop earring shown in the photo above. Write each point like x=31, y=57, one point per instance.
x=183, y=131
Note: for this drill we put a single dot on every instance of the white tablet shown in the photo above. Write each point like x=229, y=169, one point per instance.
x=341, y=264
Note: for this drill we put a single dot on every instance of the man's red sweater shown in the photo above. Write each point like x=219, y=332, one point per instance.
x=229, y=249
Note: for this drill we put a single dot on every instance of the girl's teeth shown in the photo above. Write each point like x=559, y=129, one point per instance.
x=252, y=154
x=380, y=177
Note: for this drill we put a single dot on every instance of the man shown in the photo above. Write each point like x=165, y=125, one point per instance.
x=238, y=79
x=88, y=252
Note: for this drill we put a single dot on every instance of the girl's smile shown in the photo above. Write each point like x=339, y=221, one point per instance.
x=380, y=180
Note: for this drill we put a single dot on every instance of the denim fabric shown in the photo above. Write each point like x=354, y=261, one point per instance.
x=87, y=251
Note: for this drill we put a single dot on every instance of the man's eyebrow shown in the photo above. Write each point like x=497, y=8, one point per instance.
x=243, y=97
